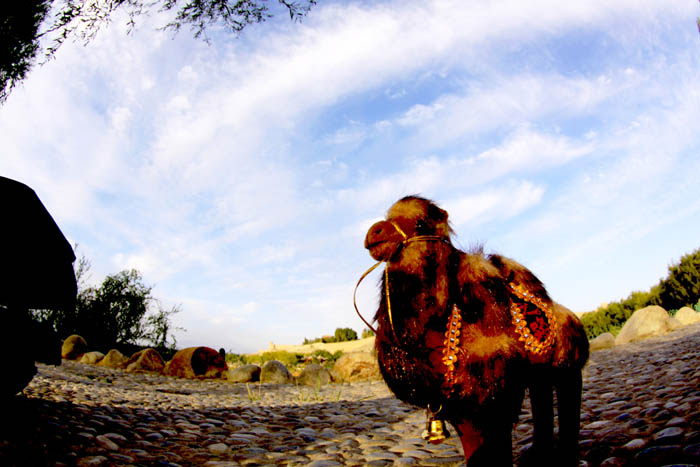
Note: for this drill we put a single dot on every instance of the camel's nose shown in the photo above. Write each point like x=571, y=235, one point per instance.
x=377, y=229
x=374, y=232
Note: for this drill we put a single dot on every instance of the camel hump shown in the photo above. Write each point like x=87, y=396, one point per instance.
x=515, y=273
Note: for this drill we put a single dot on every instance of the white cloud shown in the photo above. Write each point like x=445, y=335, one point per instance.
x=512, y=101
x=499, y=204
x=352, y=134
x=527, y=150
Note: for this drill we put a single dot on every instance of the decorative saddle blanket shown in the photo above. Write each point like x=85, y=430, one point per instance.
x=533, y=320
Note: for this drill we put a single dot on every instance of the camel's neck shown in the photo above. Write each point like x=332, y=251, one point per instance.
x=419, y=287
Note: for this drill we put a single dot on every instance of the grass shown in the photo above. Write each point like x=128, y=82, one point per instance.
x=292, y=361
x=251, y=393
x=314, y=394
x=311, y=395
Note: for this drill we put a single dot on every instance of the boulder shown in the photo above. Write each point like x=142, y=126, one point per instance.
x=674, y=323
x=314, y=375
x=196, y=362
x=687, y=316
x=113, y=359
x=144, y=361
x=274, y=371
x=92, y=358
x=603, y=341
x=243, y=374
x=647, y=322
x=73, y=347
x=357, y=366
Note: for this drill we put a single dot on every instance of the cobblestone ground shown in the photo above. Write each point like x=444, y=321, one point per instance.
x=641, y=407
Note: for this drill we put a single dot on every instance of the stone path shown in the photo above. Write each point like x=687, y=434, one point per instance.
x=641, y=407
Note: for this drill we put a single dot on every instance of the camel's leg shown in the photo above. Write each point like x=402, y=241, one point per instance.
x=541, y=400
x=569, y=386
x=470, y=437
x=490, y=447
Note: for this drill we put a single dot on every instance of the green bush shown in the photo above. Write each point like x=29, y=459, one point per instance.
x=325, y=358
x=289, y=359
x=293, y=361
x=367, y=333
x=611, y=317
x=682, y=286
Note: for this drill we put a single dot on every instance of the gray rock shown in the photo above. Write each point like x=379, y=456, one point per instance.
x=671, y=435
x=314, y=375
x=106, y=443
x=647, y=322
x=686, y=316
x=243, y=374
x=635, y=445
x=73, y=347
x=145, y=361
x=218, y=448
x=357, y=366
x=92, y=460
x=274, y=371
x=113, y=359
x=91, y=358
x=603, y=341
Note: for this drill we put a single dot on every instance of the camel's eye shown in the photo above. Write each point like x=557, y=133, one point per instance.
x=422, y=227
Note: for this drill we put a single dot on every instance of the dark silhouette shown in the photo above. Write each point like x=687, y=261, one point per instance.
x=36, y=273
x=464, y=334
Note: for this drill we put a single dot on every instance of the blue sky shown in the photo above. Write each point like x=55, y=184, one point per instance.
x=240, y=177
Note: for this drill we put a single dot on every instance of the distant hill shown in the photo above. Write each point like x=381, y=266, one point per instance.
x=360, y=345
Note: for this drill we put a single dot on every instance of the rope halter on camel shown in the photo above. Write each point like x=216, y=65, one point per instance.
x=406, y=240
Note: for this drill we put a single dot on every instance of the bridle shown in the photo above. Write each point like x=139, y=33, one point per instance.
x=435, y=431
x=406, y=240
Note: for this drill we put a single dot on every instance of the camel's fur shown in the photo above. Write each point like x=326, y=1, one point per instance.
x=425, y=279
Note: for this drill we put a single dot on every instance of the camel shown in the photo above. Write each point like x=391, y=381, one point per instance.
x=464, y=334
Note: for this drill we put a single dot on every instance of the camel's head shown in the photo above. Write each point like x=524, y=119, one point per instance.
x=408, y=218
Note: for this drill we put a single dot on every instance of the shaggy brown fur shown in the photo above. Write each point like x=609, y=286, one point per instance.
x=425, y=279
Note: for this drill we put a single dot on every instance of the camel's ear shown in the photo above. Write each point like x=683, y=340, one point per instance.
x=439, y=216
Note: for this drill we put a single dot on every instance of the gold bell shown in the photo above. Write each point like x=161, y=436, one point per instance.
x=435, y=431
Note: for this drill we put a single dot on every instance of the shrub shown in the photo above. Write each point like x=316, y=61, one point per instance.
x=611, y=317
x=325, y=358
x=682, y=286
x=289, y=359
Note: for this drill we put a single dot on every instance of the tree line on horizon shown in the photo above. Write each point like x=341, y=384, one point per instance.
x=340, y=335
x=680, y=288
